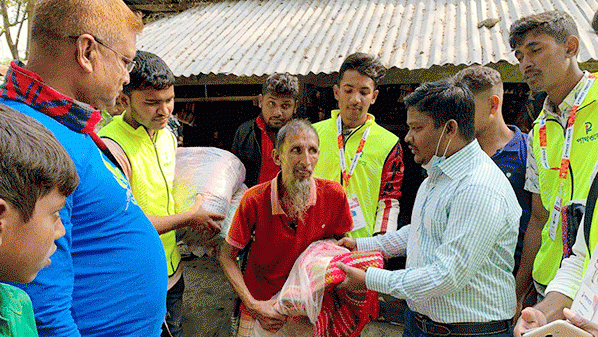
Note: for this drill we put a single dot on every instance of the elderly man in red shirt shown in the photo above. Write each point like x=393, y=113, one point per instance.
x=280, y=218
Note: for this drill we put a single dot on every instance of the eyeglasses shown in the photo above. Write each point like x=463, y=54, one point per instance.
x=129, y=63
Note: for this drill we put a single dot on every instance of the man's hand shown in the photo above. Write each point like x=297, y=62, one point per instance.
x=354, y=278
x=202, y=220
x=581, y=322
x=264, y=312
x=348, y=243
x=530, y=318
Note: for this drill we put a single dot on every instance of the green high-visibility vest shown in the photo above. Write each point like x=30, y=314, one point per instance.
x=365, y=182
x=584, y=154
x=152, y=174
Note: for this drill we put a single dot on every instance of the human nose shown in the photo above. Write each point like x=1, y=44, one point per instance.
x=408, y=137
x=354, y=98
x=59, y=230
x=127, y=78
x=525, y=62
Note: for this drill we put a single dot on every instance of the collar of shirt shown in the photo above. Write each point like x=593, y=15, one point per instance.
x=457, y=165
x=514, y=144
x=275, y=199
x=25, y=86
x=565, y=107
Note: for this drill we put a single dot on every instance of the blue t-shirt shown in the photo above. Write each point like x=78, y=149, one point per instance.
x=108, y=275
x=511, y=160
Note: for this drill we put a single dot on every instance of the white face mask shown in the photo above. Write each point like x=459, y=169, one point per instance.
x=435, y=160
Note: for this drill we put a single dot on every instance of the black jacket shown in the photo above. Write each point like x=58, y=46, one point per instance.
x=247, y=146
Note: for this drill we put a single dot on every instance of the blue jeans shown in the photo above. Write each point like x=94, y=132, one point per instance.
x=411, y=329
x=174, y=309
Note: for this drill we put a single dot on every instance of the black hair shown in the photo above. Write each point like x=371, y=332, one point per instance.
x=556, y=24
x=445, y=100
x=281, y=85
x=32, y=163
x=150, y=72
x=365, y=64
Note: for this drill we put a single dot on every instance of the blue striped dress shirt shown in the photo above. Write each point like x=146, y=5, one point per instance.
x=459, y=244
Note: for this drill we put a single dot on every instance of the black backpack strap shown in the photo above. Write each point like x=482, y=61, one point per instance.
x=590, y=205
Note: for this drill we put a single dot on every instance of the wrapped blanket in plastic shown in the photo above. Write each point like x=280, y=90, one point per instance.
x=310, y=290
x=217, y=175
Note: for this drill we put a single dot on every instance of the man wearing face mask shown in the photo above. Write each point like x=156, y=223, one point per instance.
x=458, y=278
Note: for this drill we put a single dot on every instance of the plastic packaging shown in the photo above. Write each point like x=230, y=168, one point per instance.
x=217, y=175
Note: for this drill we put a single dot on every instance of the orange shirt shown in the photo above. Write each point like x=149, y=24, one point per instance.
x=276, y=245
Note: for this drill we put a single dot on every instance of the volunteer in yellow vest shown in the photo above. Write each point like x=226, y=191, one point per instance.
x=146, y=152
x=563, y=153
x=358, y=153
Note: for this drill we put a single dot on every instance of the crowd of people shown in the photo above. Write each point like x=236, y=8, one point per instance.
x=498, y=242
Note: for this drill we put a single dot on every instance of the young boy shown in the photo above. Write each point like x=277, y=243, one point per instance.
x=36, y=174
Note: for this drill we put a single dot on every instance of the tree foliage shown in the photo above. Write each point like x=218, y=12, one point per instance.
x=14, y=13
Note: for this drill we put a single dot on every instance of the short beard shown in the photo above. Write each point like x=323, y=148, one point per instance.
x=296, y=198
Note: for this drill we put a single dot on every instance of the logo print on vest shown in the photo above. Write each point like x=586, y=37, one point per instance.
x=588, y=127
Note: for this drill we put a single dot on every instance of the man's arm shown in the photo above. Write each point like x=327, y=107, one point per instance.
x=263, y=311
x=387, y=211
x=531, y=245
x=477, y=217
x=196, y=217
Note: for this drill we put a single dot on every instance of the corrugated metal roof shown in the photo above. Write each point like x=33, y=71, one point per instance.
x=254, y=37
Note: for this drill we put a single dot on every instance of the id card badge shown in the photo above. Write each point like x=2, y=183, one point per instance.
x=586, y=298
x=356, y=214
x=554, y=216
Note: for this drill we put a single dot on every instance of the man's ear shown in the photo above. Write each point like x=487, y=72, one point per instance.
x=276, y=157
x=124, y=100
x=375, y=93
x=260, y=98
x=572, y=46
x=494, y=104
x=336, y=91
x=87, y=50
x=452, y=128
x=4, y=207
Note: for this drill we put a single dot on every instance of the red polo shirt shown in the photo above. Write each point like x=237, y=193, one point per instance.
x=276, y=245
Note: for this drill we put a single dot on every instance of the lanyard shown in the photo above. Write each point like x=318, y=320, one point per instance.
x=341, y=150
x=564, y=167
x=557, y=208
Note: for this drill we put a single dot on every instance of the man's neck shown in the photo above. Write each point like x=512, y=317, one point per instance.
x=128, y=118
x=495, y=138
x=352, y=124
x=558, y=93
x=51, y=76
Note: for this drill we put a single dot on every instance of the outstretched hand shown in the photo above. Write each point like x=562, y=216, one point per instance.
x=530, y=318
x=202, y=220
x=348, y=243
x=354, y=278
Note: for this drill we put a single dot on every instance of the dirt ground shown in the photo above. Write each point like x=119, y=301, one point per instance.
x=208, y=302
x=208, y=299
